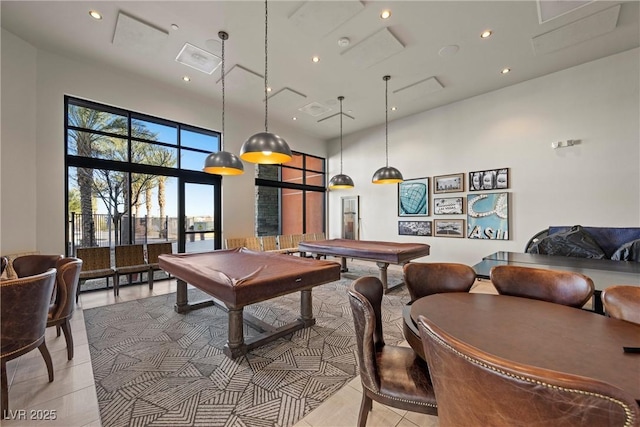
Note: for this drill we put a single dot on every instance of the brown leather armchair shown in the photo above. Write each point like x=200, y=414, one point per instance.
x=424, y=279
x=622, y=302
x=61, y=310
x=391, y=375
x=561, y=287
x=24, y=308
x=475, y=388
x=30, y=265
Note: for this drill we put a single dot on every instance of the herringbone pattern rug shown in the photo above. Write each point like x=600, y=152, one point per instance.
x=155, y=367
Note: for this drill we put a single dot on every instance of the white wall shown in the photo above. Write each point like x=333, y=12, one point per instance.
x=33, y=89
x=595, y=183
x=18, y=204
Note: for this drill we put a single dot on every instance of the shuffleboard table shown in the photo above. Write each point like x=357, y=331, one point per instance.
x=383, y=253
x=239, y=277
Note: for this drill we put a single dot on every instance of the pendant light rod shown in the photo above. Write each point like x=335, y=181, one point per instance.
x=266, y=147
x=266, y=60
x=341, y=98
x=387, y=174
x=223, y=36
x=386, y=117
x=222, y=162
x=341, y=181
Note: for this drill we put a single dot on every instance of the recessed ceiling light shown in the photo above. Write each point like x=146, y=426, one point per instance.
x=315, y=59
x=505, y=70
x=394, y=108
x=385, y=14
x=294, y=118
x=175, y=27
x=186, y=78
x=268, y=89
x=95, y=15
x=486, y=34
x=344, y=41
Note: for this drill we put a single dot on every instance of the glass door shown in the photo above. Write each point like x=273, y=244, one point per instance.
x=201, y=214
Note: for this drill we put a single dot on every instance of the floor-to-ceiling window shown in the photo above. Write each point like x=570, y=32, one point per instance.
x=290, y=198
x=133, y=178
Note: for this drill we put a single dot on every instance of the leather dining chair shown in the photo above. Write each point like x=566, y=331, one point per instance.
x=4, y=262
x=24, y=308
x=424, y=278
x=30, y=265
x=622, y=302
x=561, y=287
x=61, y=311
x=475, y=388
x=392, y=375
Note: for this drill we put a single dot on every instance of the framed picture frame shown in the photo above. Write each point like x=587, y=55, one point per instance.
x=448, y=183
x=414, y=228
x=488, y=216
x=448, y=228
x=413, y=197
x=448, y=205
x=493, y=179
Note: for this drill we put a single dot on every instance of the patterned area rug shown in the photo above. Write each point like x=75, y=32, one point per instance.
x=155, y=367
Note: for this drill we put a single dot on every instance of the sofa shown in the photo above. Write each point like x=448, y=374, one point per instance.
x=616, y=243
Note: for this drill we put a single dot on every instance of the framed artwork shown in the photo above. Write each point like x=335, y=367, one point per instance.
x=414, y=228
x=413, y=197
x=448, y=183
x=448, y=205
x=488, y=216
x=449, y=227
x=494, y=179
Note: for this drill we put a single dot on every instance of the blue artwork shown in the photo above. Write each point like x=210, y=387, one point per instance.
x=488, y=216
x=413, y=197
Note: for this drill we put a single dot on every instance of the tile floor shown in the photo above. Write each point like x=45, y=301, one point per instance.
x=71, y=397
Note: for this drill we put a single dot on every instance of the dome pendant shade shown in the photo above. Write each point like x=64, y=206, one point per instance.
x=341, y=181
x=265, y=148
x=387, y=175
x=223, y=163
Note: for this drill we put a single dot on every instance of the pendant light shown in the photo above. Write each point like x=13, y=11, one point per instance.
x=387, y=174
x=223, y=162
x=340, y=181
x=265, y=147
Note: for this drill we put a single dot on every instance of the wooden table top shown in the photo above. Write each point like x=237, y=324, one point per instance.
x=538, y=333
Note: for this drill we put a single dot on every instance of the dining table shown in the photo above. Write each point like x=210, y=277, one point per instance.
x=537, y=333
x=603, y=272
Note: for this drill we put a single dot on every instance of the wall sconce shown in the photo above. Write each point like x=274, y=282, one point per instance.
x=562, y=144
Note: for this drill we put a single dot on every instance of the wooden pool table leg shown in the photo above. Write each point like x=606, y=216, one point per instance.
x=182, y=302
x=306, y=308
x=383, y=275
x=235, y=345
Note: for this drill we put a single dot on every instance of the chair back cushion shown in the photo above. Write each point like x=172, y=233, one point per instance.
x=30, y=265
x=561, y=287
x=365, y=298
x=474, y=388
x=424, y=279
x=66, y=288
x=622, y=302
x=156, y=249
x=95, y=258
x=129, y=255
x=24, y=309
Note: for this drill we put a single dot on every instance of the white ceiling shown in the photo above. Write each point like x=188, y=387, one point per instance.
x=405, y=46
